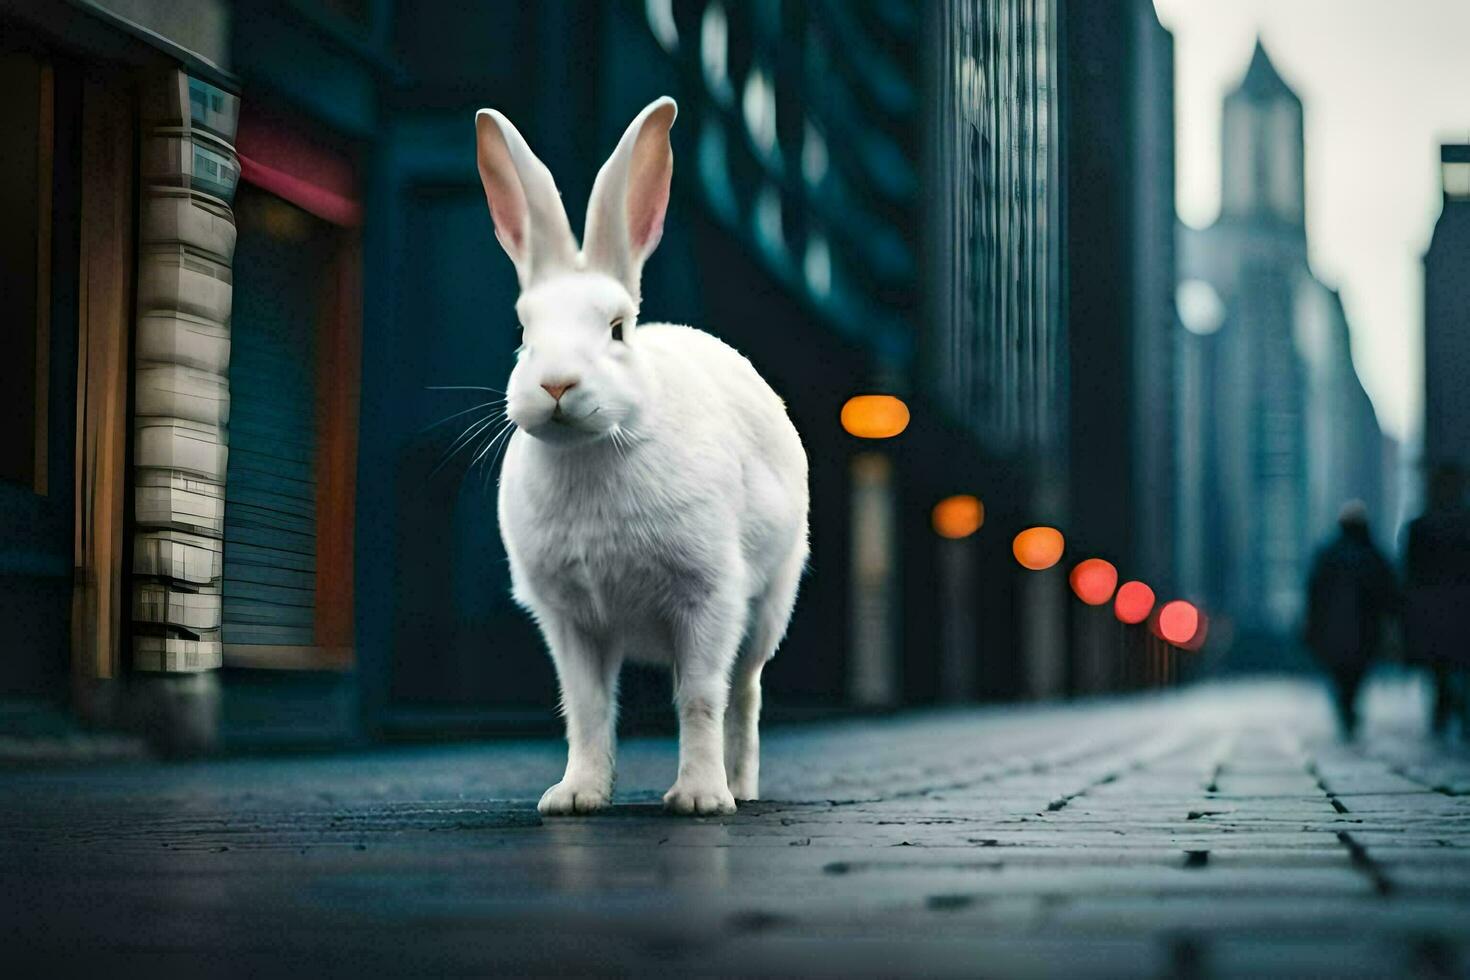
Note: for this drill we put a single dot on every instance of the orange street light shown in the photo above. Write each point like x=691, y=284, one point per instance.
x=1134, y=602
x=1037, y=548
x=1094, y=580
x=875, y=416
x=958, y=517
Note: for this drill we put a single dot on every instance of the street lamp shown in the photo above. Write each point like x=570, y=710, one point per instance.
x=958, y=517
x=873, y=670
x=1038, y=548
x=955, y=520
x=1039, y=599
x=875, y=416
x=1093, y=580
x=1178, y=622
x=1134, y=602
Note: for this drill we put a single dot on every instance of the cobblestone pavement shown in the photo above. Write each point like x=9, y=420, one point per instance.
x=1218, y=831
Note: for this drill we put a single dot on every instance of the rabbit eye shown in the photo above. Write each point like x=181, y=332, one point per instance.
x=617, y=329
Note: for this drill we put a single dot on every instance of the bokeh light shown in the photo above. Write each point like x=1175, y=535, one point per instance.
x=1178, y=622
x=1200, y=308
x=1038, y=547
x=1094, y=580
x=875, y=416
x=1134, y=602
x=958, y=517
x=1200, y=633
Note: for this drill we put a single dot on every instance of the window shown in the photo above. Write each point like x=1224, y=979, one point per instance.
x=782, y=88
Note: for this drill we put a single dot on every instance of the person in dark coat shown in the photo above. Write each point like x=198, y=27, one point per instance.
x=1437, y=580
x=1352, y=589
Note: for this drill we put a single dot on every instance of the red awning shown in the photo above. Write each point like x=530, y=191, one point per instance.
x=315, y=178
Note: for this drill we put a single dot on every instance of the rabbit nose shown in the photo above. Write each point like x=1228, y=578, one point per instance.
x=557, y=389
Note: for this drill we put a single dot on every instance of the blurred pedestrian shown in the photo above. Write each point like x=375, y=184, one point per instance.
x=1437, y=577
x=1351, y=591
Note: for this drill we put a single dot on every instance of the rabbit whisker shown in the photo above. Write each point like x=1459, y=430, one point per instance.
x=479, y=456
x=619, y=440
x=630, y=437
x=503, y=439
x=485, y=448
x=464, y=439
x=495, y=391
x=499, y=456
x=472, y=408
x=473, y=429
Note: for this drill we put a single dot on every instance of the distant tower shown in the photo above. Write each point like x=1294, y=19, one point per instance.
x=1263, y=162
x=1447, y=317
x=1275, y=428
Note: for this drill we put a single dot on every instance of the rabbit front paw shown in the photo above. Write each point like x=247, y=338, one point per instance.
x=744, y=787
x=689, y=796
x=567, y=798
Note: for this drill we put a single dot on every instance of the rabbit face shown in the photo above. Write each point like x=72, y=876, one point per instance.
x=577, y=373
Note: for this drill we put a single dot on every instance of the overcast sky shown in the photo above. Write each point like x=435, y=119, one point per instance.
x=1383, y=82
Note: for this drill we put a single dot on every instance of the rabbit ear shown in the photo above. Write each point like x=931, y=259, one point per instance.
x=625, y=215
x=530, y=221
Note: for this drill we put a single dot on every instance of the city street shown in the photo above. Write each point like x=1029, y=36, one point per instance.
x=1214, y=831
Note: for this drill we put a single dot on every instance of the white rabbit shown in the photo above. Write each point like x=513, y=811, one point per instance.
x=653, y=499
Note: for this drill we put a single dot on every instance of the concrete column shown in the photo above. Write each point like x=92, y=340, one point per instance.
x=873, y=678
x=959, y=655
x=1043, y=617
x=181, y=389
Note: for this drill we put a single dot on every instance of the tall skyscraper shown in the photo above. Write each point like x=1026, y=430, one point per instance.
x=1118, y=267
x=1447, y=317
x=1276, y=431
x=994, y=353
x=997, y=350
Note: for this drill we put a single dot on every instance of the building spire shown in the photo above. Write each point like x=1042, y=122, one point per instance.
x=1261, y=145
x=1262, y=80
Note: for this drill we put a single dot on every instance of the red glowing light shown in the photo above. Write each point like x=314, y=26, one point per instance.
x=1135, y=601
x=1198, y=639
x=1094, y=580
x=1178, y=622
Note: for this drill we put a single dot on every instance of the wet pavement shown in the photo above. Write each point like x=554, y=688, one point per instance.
x=1216, y=831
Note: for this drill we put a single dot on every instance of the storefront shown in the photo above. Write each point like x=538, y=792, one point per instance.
x=178, y=461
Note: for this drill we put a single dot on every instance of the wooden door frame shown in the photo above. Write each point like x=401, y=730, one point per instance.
x=104, y=327
x=287, y=170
